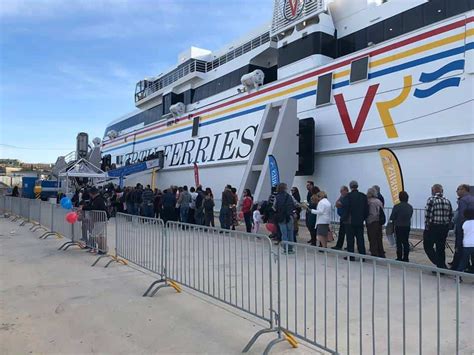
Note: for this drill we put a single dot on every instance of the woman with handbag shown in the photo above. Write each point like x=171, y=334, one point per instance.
x=323, y=213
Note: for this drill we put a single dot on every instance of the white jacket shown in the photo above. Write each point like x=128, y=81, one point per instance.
x=323, y=211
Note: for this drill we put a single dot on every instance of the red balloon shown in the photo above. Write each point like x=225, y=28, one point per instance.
x=271, y=228
x=71, y=217
x=241, y=215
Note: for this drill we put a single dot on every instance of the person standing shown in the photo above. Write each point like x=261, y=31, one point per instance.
x=323, y=211
x=284, y=207
x=184, y=201
x=468, y=240
x=157, y=203
x=311, y=218
x=225, y=214
x=129, y=191
x=233, y=208
x=465, y=201
x=177, y=191
x=257, y=218
x=137, y=199
x=295, y=193
x=344, y=190
x=379, y=195
x=94, y=222
x=356, y=210
x=374, y=225
x=208, y=209
x=169, y=205
x=311, y=190
x=15, y=192
x=401, y=218
x=247, y=203
x=192, y=205
x=199, y=207
x=438, y=216
x=147, y=202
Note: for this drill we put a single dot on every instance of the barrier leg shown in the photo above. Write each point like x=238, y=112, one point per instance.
x=157, y=282
x=113, y=259
x=74, y=243
x=258, y=334
x=48, y=234
x=66, y=245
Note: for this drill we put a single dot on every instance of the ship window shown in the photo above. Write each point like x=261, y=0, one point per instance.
x=188, y=96
x=323, y=94
x=360, y=39
x=346, y=45
x=433, y=11
x=393, y=27
x=457, y=7
x=375, y=33
x=359, y=70
x=211, y=88
x=225, y=82
x=412, y=18
x=195, y=126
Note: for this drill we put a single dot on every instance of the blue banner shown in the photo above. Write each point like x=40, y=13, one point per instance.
x=274, y=173
x=135, y=168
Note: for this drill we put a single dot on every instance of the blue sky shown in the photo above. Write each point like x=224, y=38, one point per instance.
x=70, y=66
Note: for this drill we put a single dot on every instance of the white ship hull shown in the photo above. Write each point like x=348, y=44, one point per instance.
x=418, y=101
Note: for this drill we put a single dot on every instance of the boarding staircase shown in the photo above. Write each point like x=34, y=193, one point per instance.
x=277, y=135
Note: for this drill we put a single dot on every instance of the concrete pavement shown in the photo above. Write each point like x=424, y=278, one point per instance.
x=54, y=302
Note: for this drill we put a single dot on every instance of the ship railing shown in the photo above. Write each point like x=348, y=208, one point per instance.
x=202, y=66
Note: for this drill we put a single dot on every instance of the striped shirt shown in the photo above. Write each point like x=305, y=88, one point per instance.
x=438, y=210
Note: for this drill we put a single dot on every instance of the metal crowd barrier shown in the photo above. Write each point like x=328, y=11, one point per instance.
x=16, y=208
x=34, y=210
x=46, y=217
x=319, y=296
x=93, y=230
x=417, y=220
x=232, y=267
x=314, y=295
x=334, y=303
x=90, y=231
x=140, y=241
x=5, y=205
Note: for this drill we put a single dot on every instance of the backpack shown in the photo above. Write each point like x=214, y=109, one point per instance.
x=382, y=217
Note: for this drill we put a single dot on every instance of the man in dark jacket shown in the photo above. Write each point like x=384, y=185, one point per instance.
x=94, y=223
x=96, y=203
x=356, y=210
x=147, y=202
x=169, y=206
x=199, y=207
x=465, y=201
x=284, y=207
x=137, y=199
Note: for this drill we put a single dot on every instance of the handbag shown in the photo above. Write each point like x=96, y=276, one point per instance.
x=389, y=232
x=330, y=235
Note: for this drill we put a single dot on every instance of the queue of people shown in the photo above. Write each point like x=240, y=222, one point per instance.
x=359, y=214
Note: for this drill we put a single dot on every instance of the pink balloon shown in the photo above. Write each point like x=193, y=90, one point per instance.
x=271, y=228
x=71, y=217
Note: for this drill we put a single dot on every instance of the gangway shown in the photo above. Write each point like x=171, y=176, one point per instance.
x=128, y=170
x=277, y=135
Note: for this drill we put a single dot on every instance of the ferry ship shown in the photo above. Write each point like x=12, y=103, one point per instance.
x=365, y=74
